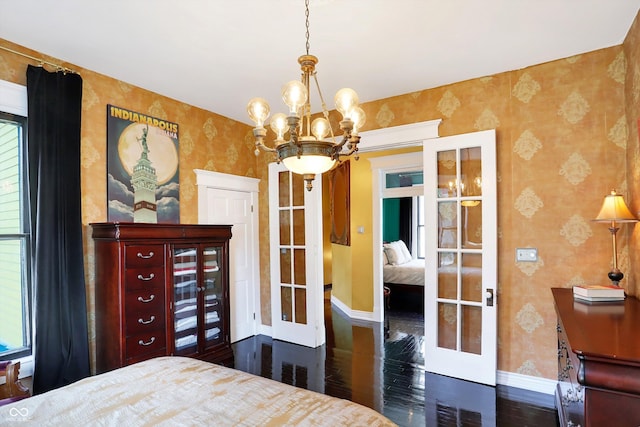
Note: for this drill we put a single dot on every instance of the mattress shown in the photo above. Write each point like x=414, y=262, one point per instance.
x=410, y=273
x=170, y=391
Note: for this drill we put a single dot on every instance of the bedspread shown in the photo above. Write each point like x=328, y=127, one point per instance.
x=179, y=391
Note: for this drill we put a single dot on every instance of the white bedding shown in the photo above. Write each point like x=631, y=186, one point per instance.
x=178, y=391
x=410, y=273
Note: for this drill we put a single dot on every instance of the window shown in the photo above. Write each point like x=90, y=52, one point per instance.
x=15, y=259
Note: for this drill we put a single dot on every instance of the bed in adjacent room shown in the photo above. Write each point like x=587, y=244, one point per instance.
x=169, y=391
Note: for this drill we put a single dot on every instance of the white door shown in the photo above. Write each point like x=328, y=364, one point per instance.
x=295, y=224
x=461, y=283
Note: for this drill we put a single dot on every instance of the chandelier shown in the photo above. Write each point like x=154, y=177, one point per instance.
x=311, y=147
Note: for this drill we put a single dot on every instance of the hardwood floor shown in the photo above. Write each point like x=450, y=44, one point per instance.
x=385, y=372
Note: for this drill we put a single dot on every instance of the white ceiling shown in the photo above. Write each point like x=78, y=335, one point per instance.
x=218, y=54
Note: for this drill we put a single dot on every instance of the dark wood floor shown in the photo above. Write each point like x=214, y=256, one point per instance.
x=386, y=372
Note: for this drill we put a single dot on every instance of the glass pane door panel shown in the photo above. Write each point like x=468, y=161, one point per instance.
x=471, y=224
x=447, y=325
x=185, y=309
x=447, y=275
x=286, y=304
x=285, y=265
x=447, y=173
x=297, y=188
x=471, y=318
x=447, y=225
x=285, y=227
x=299, y=269
x=301, y=305
x=298, y=227
x=470, y=172
x=472, y=277
x=283, y=188
x=213, y=296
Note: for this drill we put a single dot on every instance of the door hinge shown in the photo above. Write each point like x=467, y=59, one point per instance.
x=251, y=208
x=254, y=316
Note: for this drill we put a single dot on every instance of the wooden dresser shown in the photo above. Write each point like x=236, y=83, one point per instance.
x=161, y=289
x=598, y=362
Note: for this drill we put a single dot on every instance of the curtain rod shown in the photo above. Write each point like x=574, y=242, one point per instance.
x=41, y=62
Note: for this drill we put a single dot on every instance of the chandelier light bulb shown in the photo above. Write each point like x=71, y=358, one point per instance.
x=359, y=118
x=279, y=125
x=294, y=94
x=346, y=100
x=320, y=128
x=258, y=109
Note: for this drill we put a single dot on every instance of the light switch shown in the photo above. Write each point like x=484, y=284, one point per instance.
x=526, y=254
x=361, y=229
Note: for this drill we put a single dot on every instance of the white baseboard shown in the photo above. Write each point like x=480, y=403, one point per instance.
x=527, y=382
x=353, y=314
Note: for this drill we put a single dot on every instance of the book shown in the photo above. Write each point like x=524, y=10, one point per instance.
x=600, y=291
x=597, y=299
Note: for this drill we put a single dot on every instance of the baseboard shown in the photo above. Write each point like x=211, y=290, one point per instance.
x=264, y=330
x=353, y=314
x=526, y=382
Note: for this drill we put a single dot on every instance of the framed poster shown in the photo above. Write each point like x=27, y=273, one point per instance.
x=143, y=182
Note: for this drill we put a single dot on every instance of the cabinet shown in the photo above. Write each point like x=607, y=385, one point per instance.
x=161, y=289
x=598, y=362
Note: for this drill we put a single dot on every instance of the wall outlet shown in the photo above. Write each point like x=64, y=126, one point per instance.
x=526, y=254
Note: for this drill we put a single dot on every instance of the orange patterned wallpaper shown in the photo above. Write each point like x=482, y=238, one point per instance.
x=563, y=142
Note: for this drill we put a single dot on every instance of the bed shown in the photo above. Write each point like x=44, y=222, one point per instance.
x=172, y=390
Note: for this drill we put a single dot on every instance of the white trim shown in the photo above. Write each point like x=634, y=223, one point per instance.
x=527, y=382
x=411, y=135
x=208, y=179
x=353, y=314
x=13, y=98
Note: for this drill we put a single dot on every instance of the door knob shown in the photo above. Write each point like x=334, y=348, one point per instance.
x=489, y=295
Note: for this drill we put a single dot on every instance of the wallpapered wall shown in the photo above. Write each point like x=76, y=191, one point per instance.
x=206, y=141
x=563, y=143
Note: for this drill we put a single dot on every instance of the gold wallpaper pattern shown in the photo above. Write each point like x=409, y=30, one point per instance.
x=566, y=134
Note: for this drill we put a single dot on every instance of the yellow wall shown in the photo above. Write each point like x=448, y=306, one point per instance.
x=564, y=140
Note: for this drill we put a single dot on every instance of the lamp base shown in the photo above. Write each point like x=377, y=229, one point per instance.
x=615, y=276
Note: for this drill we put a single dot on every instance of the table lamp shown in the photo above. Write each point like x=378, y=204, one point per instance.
x=615, y=210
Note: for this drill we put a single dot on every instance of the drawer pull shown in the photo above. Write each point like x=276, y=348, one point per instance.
x=147, y=343
x=146, y=322
x=141, y=255
x=141, y=277
x=151, y=297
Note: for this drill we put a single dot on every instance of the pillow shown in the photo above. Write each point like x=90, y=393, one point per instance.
x=406, y=255
x=385, y=258
x=397, y=252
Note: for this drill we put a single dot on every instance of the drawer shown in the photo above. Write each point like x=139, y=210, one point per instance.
x=145, y=343
x=143, y=255
x=140, y=300
x=144, y=321
x=144, y=279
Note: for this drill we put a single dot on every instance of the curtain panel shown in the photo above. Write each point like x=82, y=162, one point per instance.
x=61, y=349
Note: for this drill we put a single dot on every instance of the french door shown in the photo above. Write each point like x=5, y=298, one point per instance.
x=295, y=223
x=461, y=283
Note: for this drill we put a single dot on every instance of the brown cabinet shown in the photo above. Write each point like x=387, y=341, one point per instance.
x=598, y=362
x=161, y=289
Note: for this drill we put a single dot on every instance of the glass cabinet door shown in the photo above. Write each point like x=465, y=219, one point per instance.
x=185, y=299
x=213, y=295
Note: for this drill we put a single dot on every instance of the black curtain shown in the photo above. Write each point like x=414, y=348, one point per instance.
x=61, y=350
x=405, y=230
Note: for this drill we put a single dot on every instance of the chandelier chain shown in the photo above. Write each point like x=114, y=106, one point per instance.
x=306, y=13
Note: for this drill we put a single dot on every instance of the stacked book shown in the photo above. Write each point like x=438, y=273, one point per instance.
x=597, y=293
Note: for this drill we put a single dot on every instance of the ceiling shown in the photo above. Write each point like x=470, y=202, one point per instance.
x=218, y=54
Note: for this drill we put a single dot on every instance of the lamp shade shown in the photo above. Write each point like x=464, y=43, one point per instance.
x=308, y=164
x=615, y=209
